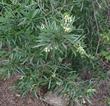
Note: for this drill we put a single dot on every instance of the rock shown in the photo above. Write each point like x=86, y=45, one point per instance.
x=55, y=100
x=108, y=73
x=75, y=103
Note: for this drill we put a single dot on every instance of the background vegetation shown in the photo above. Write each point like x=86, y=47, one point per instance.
x=58, y=44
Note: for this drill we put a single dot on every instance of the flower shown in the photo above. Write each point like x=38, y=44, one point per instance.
x=67, y=23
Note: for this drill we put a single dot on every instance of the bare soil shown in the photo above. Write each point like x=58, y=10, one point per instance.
x=8, y=97
x=102, y=96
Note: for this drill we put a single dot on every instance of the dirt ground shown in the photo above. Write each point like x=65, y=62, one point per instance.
x=102, y=96
x=10, y=98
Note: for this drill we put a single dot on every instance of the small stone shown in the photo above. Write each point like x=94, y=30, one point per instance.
x=54, y=100
x=17, y=95
x=108, y=73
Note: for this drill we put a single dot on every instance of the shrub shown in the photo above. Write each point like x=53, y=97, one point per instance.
x=51, y=42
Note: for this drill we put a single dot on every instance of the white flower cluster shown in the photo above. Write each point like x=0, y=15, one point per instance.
x=67, y=23
x=49, y=48
x=81, y=50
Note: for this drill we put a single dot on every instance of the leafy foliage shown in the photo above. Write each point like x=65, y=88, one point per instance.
x=51, y=42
